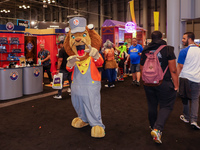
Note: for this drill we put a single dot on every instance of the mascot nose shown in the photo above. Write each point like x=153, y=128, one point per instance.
x=78, y=39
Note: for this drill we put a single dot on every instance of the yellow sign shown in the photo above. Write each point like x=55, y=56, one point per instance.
x=156, y=20
x=132, y=11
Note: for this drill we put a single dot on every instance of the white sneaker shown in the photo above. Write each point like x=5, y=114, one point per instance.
x=195, y=126
x=112, y=86
x=68, y=90
x=106, y=85
x=182, y=117
x=57, y=97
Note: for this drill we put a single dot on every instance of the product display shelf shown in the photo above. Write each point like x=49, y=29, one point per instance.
x=9, y=51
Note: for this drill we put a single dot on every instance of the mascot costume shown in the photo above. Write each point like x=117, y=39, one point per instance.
x=82, y=44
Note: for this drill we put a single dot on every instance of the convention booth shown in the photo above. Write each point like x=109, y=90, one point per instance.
x=116, y=32
x=50, y=38
x=20, y=73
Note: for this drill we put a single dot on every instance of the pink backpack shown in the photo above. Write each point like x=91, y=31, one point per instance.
x=152, y=73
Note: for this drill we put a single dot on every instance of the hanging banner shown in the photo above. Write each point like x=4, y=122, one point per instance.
x=132, y=11
x=156, y=20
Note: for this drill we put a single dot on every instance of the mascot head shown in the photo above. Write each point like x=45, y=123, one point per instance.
x=80, y=37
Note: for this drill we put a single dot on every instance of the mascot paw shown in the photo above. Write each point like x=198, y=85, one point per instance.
x=93, y=52
x=72, y=60
x=78, y=123
x=97, y=132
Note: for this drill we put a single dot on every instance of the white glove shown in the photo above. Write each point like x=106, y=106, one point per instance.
x=93, y=52
x=71, y=61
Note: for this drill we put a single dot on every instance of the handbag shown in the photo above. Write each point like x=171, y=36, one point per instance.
x=57, y=81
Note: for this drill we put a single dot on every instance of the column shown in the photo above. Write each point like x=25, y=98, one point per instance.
x=163, y=17
x=145, y=9
x=114, y=8
x=173, y=25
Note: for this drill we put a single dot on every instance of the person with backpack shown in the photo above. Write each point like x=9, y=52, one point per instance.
x=159, y=74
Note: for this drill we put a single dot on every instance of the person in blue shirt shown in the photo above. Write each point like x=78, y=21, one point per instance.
x=189, y=68
x=134, y=54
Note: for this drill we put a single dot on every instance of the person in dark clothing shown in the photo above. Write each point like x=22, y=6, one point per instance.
x=44, y=55
x=163, y=95
x=61, y=68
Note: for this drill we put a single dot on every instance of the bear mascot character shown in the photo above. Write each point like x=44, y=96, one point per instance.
x=82, y=44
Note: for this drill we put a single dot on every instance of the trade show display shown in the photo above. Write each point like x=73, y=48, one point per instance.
x=10, y=83
x=115, y=31
x=11, y=44
x=32, y=79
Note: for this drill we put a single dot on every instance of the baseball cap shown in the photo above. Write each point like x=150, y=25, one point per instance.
x=77, y=24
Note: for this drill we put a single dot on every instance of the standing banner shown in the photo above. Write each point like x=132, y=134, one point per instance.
x=30, y=47
x=156, y=20
x=132, y=11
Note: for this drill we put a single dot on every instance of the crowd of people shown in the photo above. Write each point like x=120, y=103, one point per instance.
x=185, y=78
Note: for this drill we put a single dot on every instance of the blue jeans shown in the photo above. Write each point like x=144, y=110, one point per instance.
x=193, y=114
x=111, y=76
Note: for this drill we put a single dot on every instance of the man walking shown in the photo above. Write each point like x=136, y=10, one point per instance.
x=189, y=68
x=61, y=68
x=135, y=52
x=163, y=95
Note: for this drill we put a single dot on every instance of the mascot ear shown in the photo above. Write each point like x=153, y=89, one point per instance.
x=67, y=45
x=66, y=29
x=95, y=38
x=90, y=26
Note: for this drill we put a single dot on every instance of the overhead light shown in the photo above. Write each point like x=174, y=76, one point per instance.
x=49, y=1
x=4, y=11
x=24, y=6
x=33, y=22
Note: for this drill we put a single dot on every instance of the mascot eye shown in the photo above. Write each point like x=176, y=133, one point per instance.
x=84, y=35
x=73, y=37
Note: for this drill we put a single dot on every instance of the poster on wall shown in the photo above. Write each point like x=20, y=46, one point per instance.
x=31, y=49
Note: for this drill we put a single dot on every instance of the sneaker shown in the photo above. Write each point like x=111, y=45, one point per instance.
x=156, y=134
x=182, y=117
x=138, y=83
x=112, y=86
x=125, y=75
x=57, y=97
x=106, y=85
x=68, y=90
x=195, y=126
x=121, y=79
x=134, y=82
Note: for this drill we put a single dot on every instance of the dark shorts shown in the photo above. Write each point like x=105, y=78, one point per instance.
x=135, y=68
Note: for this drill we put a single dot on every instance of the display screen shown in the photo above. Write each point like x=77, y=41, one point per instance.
x=121, y=35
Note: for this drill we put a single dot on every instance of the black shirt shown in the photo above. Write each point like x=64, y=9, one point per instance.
x=167, y=53
x=63, y=54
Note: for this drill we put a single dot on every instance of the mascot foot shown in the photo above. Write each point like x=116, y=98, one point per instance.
x=78, y=123
x=97, y=132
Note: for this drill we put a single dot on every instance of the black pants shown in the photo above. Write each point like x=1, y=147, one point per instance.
x=66, y=75
x=47, y=68
x=163, y=96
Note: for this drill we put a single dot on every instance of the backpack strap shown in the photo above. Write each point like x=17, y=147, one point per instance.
x=157, y=51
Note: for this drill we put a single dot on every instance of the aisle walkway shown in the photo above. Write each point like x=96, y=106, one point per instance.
x=44, y=123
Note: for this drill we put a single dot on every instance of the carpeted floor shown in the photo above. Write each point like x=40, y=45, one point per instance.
x=45, y=124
